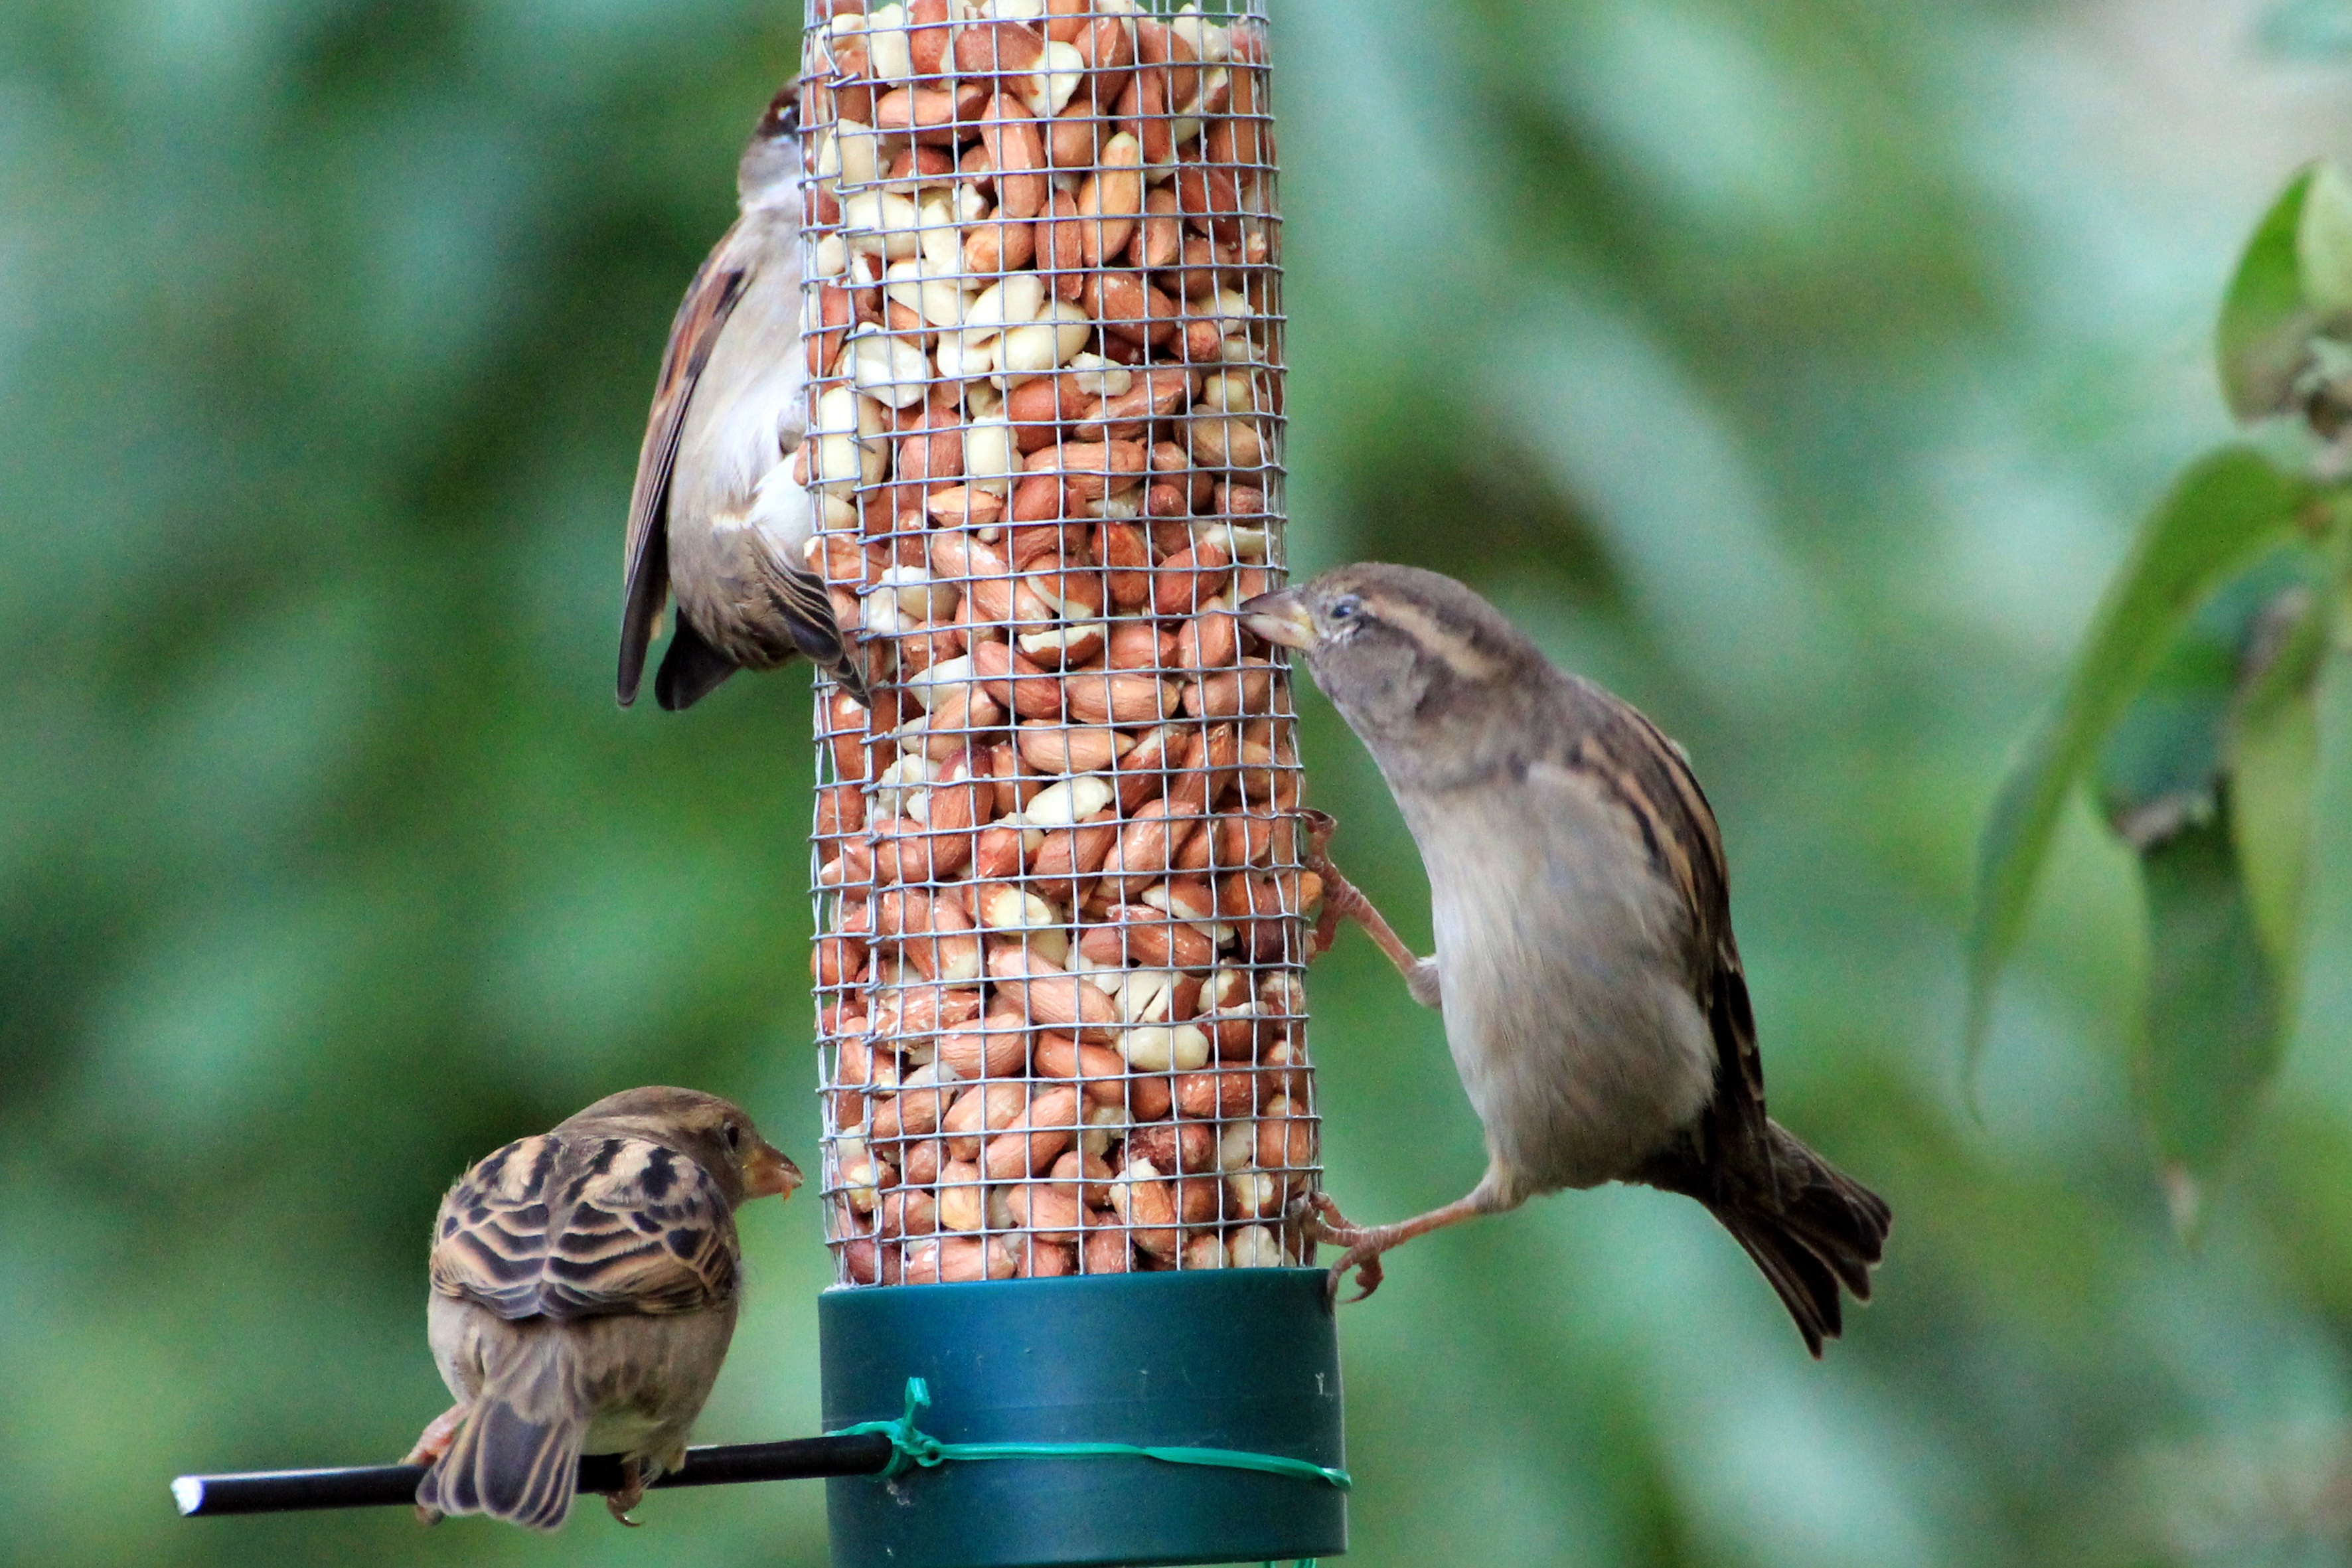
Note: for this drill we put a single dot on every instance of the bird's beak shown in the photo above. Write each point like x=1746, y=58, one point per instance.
x=769, y=1173
x=1279, y=617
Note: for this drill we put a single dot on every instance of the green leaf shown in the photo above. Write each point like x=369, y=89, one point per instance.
x=2161, y=765
x=2228, y=506
x=2266, y=318
x=2293, y=281
x=2215, y=1031
x=2215, y=753
x=2323, y=243
x=2274, y=764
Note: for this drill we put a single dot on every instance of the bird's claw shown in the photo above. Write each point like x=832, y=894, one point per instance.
x=1365, y=1261
x=1321, y=825
x=1326, y=934
x=438, y=1434
x=1362, y=1254
x=431, y=1444
x=631, y=1493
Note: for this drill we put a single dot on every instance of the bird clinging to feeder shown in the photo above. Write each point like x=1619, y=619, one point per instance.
x=719, y=518
x=1586, y=969
x=584, y=1289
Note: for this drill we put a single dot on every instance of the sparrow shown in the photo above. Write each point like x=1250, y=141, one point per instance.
x=1591, y=989
x=584, y=1290
x=717, y=518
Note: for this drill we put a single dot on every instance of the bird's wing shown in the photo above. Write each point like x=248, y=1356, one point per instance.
x=1633, y=762
x=645, y=558
x=569, y=1227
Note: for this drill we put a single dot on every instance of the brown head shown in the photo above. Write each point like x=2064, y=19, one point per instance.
x=769, y=173
x=1426, y=671
x=715, y=1133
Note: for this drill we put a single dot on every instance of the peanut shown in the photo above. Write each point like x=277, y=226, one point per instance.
x=1049, y=1210
x=1053, y=997
x=1185, y=1146
x=1042, y=1260
x=1107, y=1252
x=916, y=1109
x=1070, y=749
x=1018, y=156
x=998, y=1050
x=1100, y=1072
x=958, y=1262
x=909, y=1212
x=978, y=1111
x=1034, y=1141
x=1124, y=699
x=1144, y=1201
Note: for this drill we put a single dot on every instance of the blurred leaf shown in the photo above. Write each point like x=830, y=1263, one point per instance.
x=2161, y=765
x=2296, y=271
x=2273, y=761
x=2230, y=699
x=2214, y=1032
x=2323, y=242
x=2248, y=650
x=2228, y=506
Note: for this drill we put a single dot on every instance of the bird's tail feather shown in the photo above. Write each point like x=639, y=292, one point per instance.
x=1810, y=1229
x=691, y=670
x=517, y=1457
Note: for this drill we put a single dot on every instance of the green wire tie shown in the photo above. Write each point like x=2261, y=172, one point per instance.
x=911, y=1448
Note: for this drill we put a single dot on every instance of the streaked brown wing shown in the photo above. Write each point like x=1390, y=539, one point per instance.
x=645, y=1230
x=1635, y=763
x=490, y=1241
x=701, y=314
x=580, y=1228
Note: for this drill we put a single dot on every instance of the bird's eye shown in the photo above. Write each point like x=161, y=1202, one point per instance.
x=1346, y=609
x=734, y=1137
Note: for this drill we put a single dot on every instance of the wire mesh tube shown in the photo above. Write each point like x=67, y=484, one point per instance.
x=1060, y=959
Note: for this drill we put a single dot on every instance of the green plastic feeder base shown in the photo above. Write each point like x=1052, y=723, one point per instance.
x=1245, y=1358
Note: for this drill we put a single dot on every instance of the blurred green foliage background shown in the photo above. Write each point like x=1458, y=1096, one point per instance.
x=1797, y=369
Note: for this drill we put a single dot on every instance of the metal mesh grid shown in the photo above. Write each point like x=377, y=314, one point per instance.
x=1060, y=959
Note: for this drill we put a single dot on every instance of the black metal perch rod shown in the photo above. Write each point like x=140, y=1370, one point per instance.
x=375, y=1485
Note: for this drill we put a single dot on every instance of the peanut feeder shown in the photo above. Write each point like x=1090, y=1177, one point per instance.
x=1060, y=956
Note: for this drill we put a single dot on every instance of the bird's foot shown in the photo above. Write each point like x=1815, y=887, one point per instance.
x=438, y=1434
x=1362, y=1254
x=631, y=1493
x=1321, y=825
x=1342, y=899
x=1365, y=1243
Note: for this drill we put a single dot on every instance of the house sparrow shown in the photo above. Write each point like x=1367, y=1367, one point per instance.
x=584, y=1288
x=1585, y=966
x=716, y=517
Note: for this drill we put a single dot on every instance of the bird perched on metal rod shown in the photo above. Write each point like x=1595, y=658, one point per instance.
x=1592, y=992
x=717, y=518
x=584, y=1284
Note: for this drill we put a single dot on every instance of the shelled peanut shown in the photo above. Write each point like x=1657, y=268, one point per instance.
x=1060, y=903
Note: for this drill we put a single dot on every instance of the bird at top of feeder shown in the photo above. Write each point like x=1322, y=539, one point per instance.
x=1592, y=990
x=718, y=519
x=584, y=1285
